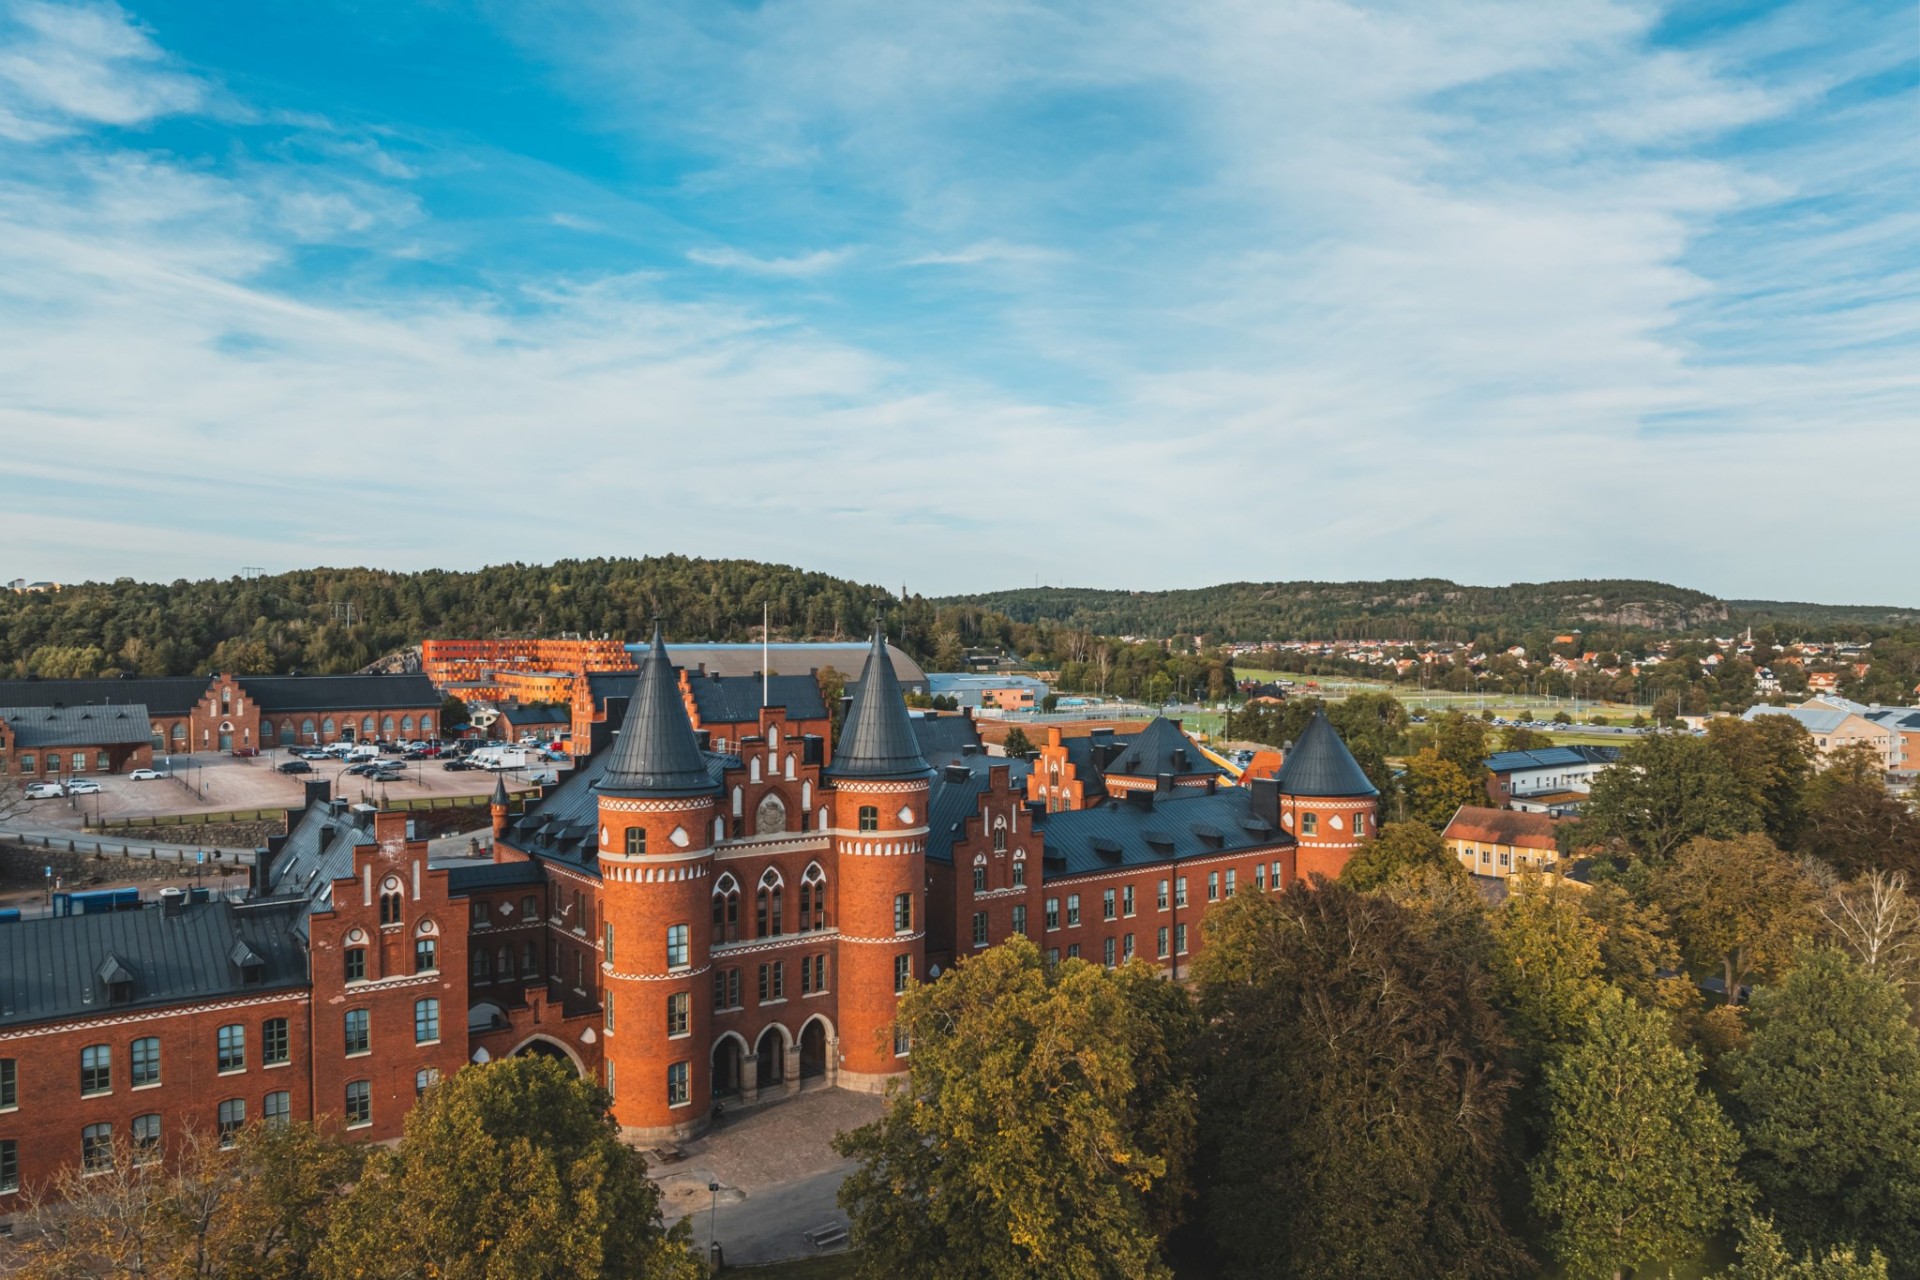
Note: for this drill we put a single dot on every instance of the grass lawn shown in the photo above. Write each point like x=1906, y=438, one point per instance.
x=833, y=1266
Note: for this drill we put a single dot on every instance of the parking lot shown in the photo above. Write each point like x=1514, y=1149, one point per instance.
x=211, y=783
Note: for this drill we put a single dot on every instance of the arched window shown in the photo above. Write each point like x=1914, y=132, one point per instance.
x=739, y=802
x=773, y=735
x=390, y=901
x=869, y=817
x=999, y=835
x=426, y=724
x=766, y=905
x=789, y=767
x=726, y=909
x=503, y=961
x=306, y=729
x=406, y=724
x=226, y=702
x=753, y=769
x=326, y=726
x=366, y=727
x=823, y=817
x=813, y=899
x=386, y=725
x=806, y=797
x=719, y=830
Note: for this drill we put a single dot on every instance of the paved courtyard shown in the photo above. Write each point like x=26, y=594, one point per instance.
x=778, y=1175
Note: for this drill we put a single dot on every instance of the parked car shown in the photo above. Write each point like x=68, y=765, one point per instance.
x=83, y=787
x=415, y=754
x=385, y=775
x=294, y=766
x=457, y=765
x=311, y=753
x=144, y=775
x=360, y=770
x=45, y=791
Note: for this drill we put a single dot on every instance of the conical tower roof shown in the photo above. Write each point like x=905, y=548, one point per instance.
x=1321, y=765
x=500, y=798
x=656, y=752
x=878, y=740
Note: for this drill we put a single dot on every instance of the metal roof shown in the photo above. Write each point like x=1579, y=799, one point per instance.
x=493, y=875
x=85, y=726
x=723, y=699
x=1321, y=765
x=656, y=752
x=1122, y=835
x=397, y=692
x=1550, y=758
x=53, y=966
x=803, y=658
x=1161, y=747
x=161, y=695
x=877, y=740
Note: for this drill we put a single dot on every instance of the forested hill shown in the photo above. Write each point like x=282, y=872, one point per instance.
x=334, y=620
x=1416, y=609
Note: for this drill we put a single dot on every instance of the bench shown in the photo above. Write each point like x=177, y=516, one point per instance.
x=826, y=1237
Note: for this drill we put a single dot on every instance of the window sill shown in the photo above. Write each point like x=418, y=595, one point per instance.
x=138, y=1088
x=360, y=1053
x=683, y=1035
x=425, y=1044
x=361, y=1124
x=675, y=1106
x=275, y=1066
x=776, y=1000
x=232, y=1071
x=96, y=1093
x=808, y=995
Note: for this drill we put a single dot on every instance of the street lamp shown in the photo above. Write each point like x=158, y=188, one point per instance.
x=713, y=1215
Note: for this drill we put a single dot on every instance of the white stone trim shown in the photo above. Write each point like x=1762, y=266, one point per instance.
x=891, y=939
x=749, y=946
x=300, y=995
x=656, y=806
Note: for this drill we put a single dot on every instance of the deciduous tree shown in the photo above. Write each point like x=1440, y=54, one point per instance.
x=1739, y=904
x=1764, y=1256
x=1546, y=962
x=1046, y=1127
x=1399, y=849
x=1666, y=789
x=1436, y=787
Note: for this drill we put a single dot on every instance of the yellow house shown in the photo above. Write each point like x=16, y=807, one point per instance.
x=1502, y=842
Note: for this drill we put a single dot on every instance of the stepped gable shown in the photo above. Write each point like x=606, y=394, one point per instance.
x=878, y=740
x=656, y=753
x=1321, y=765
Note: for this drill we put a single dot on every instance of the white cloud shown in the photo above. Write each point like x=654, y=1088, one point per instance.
x=819, y=262
x=66, y=66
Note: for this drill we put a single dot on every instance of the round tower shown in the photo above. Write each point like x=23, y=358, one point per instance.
x=1327, y=803
x=657, y=804
x=880, y=787
x=499, y=808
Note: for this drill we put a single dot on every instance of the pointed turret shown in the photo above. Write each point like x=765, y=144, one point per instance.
x=1321, y=766
x=656, y=753
x=878, y=740
x=500, y=808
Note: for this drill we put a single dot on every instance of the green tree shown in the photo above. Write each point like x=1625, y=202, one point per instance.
x=1764, y=1256
x=1738, y=904
x=833, y=691
x=1015, y=744
x=1853, y=825
x=277, y=1213
x=454, y=714
x=1773, y=757
x=1828, y=1094
x=1436, y=787
x=1546, y=962
x=1046, y=1128
x=1376, y=1150
x=1638, y=1163
x=1520, y=738
x=1399, y=849
x=513, y=1169
x=1638, y=952
x=1666, y=789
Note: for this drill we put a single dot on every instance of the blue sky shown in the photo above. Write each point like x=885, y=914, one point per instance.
x=967, y=295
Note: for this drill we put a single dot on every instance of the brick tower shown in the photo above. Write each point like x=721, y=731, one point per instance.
x=880, y=789
x=1327, y=802
x=657, y=805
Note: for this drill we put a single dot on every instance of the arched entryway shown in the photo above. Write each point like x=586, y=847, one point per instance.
x=813, y=1049
x=541, y=1046
x=727, y=1056
x=772, y=1053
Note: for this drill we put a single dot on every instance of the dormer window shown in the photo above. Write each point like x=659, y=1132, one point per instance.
x=116, y=980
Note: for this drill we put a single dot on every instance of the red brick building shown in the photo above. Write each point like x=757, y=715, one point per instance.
x=680, y=922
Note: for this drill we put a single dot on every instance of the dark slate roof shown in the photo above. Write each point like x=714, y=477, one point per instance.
x=948, y=808
x=51, y=966
x=318, y=850
x=399, y=692
x=656, y=752
x=532, y=713
x=944, y=739
x=78, y=726
x=877, y=740
x=1550, y=758
x=1161, y=747
x=493, y=875
x=161, y=695
x=1122, y=835
x=565, y=826
x=736, y=699
x=1321, y=765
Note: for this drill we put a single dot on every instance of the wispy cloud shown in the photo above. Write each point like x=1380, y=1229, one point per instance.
x=800, y=266
x=66, y=66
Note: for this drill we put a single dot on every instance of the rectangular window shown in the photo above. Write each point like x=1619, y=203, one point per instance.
x=1260, y=876
x=902, y=912
x=979, y=928
x=96, y=1069
x=679, y=1007
x=902, y=1044
x=1160, y=898
x=806, y=975
x=902, y=973
x=96, y=1148
x=1180, y=939
x=356, y=964
x=9, y=1165
x=1106, y=904
x=1019, y=872
x=606, y=941
x=1308, y=823
x=146, y=1138
x=273, y=1041
x=146, y=1060
x=820, y=972
x=1073, y=911
x=9, y=1084
x=636, y=841
x=1126, y=948
x=482, y=911
x=359, y=1103
x=610, y=1089
x=426, y=1021
x=1126, y=900
x=233, y=1115
x=359, y=1032
x=26, y=764
x=679, y=956
x=426, y=955
x=1053, y=955
x=734, y=998
x=1213, y=886
x=1053, y=913
x=1180, y=891
x=232, y=1048
x=1160, y=942
x=1107, y=948
x=278, y=1108
x=1019, y=917
x=779, y=979
x=677, y=1088
x=979, y=879
x=1073, y=951
x=766, y=982
x=529, y=908
x=1230, y=881
x=1276, y=875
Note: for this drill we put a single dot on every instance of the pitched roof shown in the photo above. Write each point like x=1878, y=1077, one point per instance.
x=1161, y=747
x=161, y=695
x=1321, y=765
x=656, y=752
x=60, y=966
x=803, y=659
x=85, y=726
x=526, y=714
x=1119, y=835
x=724, y=699
x=1503, y=826
x=1550, y=758
x=397, y=692
x=877, y=740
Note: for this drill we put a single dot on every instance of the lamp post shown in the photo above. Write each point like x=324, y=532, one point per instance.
x=713, y=1215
